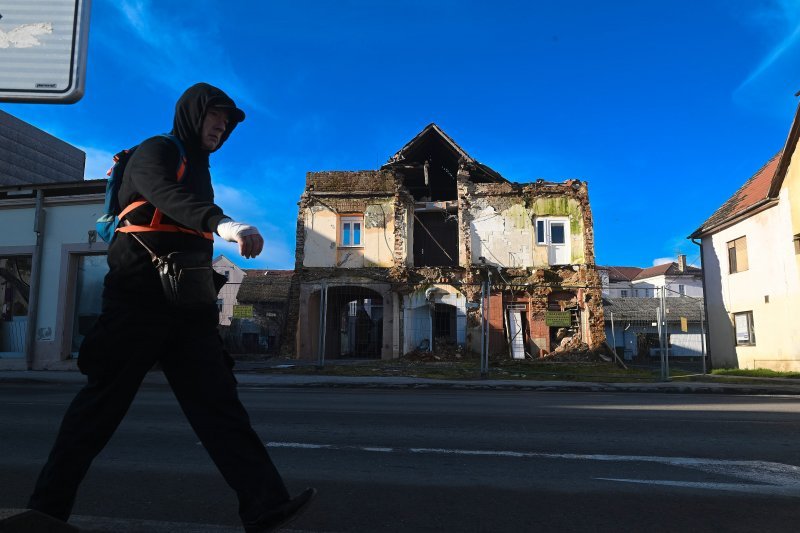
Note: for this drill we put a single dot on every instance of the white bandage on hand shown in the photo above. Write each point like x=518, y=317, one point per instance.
x=231, y=231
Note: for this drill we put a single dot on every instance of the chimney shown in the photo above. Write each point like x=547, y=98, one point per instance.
x=681, y=263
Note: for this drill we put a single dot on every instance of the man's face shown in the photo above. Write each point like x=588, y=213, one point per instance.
x=214, y=125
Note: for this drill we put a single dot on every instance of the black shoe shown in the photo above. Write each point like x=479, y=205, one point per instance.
x=282, y=515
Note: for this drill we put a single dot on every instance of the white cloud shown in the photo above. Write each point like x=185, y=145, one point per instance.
x=772, y=83
x=274, y=256
x=179, y=55
x=251, y=207
x=662, y=260
x=97, y=163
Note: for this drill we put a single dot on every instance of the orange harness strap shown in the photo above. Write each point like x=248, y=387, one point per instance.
x=155, y=223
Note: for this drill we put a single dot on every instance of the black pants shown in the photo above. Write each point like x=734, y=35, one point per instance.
x=117, y=353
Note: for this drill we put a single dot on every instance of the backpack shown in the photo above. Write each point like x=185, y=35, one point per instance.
x=113, y=213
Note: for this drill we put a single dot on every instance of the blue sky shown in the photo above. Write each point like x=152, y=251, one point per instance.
x=664, y=108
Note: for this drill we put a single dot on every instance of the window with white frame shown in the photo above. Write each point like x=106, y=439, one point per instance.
x=745, y=332
x=351, y=231
x=554, y=233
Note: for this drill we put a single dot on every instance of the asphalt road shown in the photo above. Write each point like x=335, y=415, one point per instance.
x=423, y=460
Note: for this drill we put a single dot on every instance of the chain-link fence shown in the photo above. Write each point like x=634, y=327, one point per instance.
x=487, y=328
x=666, y=332
x=424, y=322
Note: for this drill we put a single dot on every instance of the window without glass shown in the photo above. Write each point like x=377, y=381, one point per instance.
x=743, y=324
x=350, y=230
x=737, y=255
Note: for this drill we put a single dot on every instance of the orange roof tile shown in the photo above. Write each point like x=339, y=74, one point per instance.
x=754, y=191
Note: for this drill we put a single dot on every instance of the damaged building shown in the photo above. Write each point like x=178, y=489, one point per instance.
x=434, y=251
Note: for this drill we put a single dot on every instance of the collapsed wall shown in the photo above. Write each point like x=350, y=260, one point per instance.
x=500, y=239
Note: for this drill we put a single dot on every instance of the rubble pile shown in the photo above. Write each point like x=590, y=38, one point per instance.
x=443, y=350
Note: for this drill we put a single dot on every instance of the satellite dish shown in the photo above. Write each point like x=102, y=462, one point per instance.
x=43, y=47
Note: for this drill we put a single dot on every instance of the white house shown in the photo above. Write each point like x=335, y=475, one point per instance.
x=51, y=271
x=51, y=267
x=227, y=295
x=678, y=278
x=750, y=250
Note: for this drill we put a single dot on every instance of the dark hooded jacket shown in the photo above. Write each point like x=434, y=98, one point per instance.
x=151, y=174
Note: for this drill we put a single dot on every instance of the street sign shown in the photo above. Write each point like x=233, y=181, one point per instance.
x=242, y=311
x=559, y=319
x=43, y=48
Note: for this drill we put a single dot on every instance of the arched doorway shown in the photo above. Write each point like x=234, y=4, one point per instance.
x=354, y=323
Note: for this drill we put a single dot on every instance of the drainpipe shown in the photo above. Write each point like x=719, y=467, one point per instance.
x=705, y=309
x=486, y=325
x=483, y=324
x=36, y=274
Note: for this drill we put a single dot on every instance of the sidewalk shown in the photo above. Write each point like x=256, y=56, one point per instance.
x=252, y=375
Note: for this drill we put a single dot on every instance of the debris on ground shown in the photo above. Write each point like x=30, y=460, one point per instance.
x=443, y=350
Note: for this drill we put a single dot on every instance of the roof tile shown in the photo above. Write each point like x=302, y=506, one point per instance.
x=753, y=191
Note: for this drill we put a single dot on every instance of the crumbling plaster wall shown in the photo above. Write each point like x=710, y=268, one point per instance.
x=500, y=221
x=497, y=222
x=331, y=195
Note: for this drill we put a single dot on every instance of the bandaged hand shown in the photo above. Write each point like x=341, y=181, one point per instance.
x=250, y=241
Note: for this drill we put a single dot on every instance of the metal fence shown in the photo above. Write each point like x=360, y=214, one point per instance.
x=667, y=332
x=428, y=322
x=472, y=326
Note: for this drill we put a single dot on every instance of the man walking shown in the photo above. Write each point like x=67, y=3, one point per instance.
x=140, y=325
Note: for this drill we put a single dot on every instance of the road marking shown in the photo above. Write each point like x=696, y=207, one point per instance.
x=749, y=488
x=133, y=525
x=763, y=477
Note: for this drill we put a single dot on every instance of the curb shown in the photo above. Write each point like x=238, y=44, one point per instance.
x=248, y=380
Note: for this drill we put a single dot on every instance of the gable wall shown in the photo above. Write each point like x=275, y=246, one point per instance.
x=772, y=272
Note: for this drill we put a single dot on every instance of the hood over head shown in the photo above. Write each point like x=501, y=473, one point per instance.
x=190, y=111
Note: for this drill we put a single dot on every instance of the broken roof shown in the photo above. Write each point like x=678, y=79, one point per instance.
x=433, y=131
